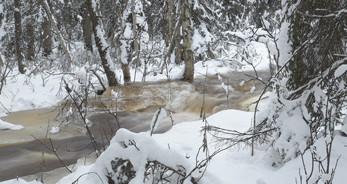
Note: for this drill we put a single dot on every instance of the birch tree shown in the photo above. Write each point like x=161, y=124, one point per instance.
x=187, y=42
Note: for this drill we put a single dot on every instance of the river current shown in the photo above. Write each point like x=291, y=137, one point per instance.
x=21, y=154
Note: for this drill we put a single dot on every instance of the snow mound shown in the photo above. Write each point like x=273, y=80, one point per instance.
x=8, y=126
x=128, y=158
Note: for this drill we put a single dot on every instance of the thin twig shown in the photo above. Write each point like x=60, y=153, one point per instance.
x=53, y=150
x=76, y=181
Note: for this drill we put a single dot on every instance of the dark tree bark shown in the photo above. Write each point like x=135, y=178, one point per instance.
x=1, y=62
x=178, y=48
x=126, y=73
x=87, y=33
x=47, y=38
x=30, y=33
x=18, y=34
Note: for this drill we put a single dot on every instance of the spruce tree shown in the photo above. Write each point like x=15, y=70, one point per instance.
x=317, y=35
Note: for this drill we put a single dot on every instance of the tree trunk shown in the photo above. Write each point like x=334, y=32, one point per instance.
x=30, y=33
x=18, y=35
x=178, y=37
x=125, y=67
x=169, y=31
x=101, y=44
x=87, y=33
x=49, y=14
x=187, y=42
x=136, y=43
x=168, y=22
x=126, y=73
x=47, y=38
x=178, y=48
x=30, y=36
x=1, y=61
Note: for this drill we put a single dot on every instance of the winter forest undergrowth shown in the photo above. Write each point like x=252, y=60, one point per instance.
x=173, y=91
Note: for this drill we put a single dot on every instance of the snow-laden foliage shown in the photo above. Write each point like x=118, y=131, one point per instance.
x=314, y=46
x=308, y=97
x=131, y=158
x=118, y=33
x=286, y=116
x=308, y=100
x=300, y=117
x=221, y=27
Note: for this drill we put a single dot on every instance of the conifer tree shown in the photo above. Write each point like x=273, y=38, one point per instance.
x=317, y=35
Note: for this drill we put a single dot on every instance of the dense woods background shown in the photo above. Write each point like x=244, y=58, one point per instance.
x=306, y=42
x=127, y=34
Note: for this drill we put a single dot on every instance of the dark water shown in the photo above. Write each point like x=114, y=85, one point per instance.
x=23, y=159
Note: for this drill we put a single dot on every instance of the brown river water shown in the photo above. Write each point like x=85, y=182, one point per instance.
x=22, y=155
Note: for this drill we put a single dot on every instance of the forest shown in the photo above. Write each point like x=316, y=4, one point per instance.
x=173, y=91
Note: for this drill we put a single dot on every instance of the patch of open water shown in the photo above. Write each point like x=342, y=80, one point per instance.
x=21, y=155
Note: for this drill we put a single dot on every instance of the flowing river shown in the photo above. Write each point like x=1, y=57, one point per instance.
x=21, y=154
